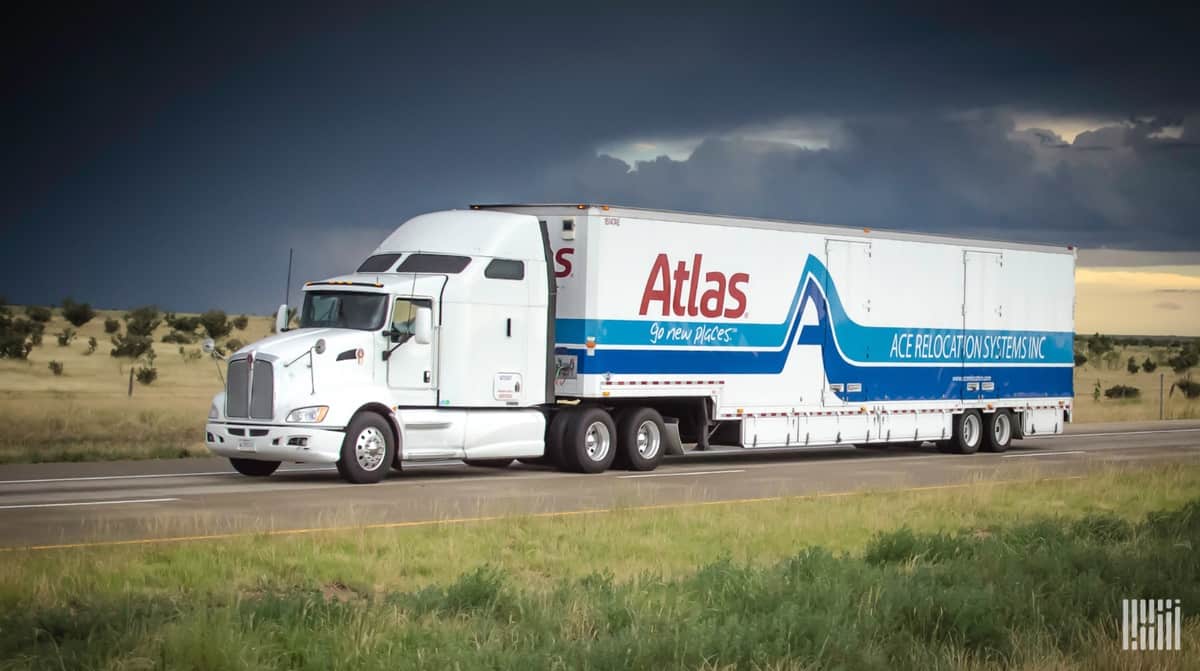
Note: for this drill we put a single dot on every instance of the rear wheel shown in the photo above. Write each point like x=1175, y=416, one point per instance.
x=253, y=467
x=589, y=444
x=967, y=435
x=999, y=431
x=489, y=463
x=368, y=449
x=640, y=434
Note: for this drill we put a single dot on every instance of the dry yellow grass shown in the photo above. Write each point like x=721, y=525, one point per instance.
x=1175, y=406
x=86, y=413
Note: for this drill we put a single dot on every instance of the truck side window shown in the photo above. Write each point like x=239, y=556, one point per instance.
x=505, y=269
x=403, y=315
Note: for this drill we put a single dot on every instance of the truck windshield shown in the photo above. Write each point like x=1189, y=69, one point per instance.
x=343, y=310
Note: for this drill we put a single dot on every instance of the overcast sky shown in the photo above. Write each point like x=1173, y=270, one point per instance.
x=172, y=156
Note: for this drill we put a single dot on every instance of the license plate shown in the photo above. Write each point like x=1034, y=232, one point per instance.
x=245, y=444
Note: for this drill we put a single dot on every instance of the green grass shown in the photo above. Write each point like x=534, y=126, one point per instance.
x=989, y=576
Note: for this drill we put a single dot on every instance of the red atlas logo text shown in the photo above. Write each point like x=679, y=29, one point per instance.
x=719, y=296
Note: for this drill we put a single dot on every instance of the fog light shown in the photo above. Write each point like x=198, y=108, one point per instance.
x=298, y=441
x=210, y=437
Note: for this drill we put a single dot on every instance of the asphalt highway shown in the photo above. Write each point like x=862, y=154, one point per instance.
x=85, y=504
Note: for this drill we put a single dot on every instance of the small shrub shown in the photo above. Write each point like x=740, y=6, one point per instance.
x=146, y=374
x=142, y=321
x=66, y=336
x=1188, y=357
x=190, y=355
x=112, y=325
x=14, y=346
x=233, y=344
x=92, y=344
x=1149, y=366
x=77, y=313
x=1132, y=365
x=183, y=324
x=38, y=313
x=1080, y=359
x=131, y=346
x=56, y=367
x=239, y=322
x=178, y=338
x=1189, y=388
x=1122, y=391
x=215, y=324
x=1112, y=359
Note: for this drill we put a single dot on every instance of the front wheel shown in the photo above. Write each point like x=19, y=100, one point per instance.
x=367, y=450
x=253, y=467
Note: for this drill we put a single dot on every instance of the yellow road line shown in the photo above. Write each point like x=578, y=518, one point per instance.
x=494, y=518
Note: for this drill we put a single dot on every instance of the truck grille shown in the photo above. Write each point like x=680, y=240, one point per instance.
x=243, y=401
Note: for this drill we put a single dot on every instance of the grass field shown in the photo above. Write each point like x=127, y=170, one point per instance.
x=87, y=414
x=1026, y=575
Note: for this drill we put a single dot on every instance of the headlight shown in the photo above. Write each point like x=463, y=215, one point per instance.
x=213, y=413
x=310, y=415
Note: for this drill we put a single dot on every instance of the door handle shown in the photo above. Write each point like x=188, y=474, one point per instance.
x=427, y=376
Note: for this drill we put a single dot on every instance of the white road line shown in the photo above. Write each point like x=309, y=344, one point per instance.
x=83, y=478
x=1111, y=433
x=671, y=475
x=1042, y=454
x=83, y=503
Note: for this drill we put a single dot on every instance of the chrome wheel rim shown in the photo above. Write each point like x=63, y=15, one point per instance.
x=1001, y=429
x=370, y=448
x=597, y=441
x=970, y=430
x=649, y=439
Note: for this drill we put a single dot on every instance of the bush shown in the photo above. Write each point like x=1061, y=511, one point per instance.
x=178, y=338
x=142, y=321
x=239, y=322
x=1149, y=366
x=66, y=336
x=146, y=374
x=14, y=346
x=131, y=346
x=1080, y=359
x=56, y=367
x=111, y=325
x=1188, y=357
x=77, y=313
x=1189, y=388
x=1122, y=391
x=183, y=324
x=190, y=355
x=92, y=344
x=1132, y=365
x=38, y=313
x=1099, y=345
x=215, y=324
x=233, y=344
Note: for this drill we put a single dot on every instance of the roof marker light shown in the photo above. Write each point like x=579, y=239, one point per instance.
x=581, y=206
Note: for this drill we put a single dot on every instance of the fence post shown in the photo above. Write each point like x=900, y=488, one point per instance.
x=131, y=381
x=1161, y=377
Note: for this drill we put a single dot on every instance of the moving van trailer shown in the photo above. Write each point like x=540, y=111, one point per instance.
x=591, y=337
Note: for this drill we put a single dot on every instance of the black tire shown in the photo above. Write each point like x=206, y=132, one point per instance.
x=632, y=452
x=576, y=455
x=555, y=434
x=967, y=436
x=489, y=463
x=371, y=428
x=253, y=467
x=998, y=431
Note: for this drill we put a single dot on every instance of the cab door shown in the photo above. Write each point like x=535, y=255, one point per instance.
x=411, y=366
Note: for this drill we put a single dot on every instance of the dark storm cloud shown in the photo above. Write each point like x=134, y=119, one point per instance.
x=173, y=155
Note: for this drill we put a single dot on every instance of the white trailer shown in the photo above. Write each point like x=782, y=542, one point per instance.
x=589, y=337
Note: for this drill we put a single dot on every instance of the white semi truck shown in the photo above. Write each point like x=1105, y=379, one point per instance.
x=592, y=337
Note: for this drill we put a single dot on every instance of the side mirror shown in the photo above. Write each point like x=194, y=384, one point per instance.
x=423, y=326
x=281, y=318
x=208, y=346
